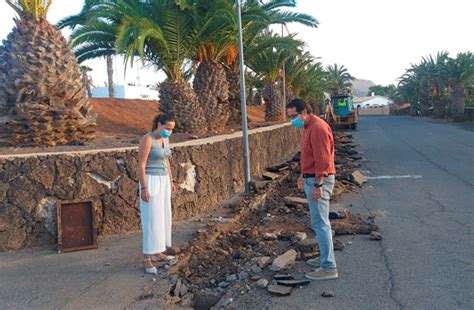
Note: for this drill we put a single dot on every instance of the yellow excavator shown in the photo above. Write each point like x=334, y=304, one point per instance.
x=340, y=111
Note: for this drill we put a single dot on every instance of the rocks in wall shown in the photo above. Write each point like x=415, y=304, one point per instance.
x=207, y=172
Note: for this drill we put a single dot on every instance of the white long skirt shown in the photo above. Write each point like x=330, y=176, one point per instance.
x=156, y=215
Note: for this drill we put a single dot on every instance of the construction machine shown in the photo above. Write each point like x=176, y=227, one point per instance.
x=340, y=111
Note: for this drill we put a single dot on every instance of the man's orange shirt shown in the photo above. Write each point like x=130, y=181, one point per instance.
x=317, y=148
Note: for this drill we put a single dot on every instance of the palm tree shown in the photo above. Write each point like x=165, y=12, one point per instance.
x=110, y=75
x=304, y=77
x=432, y=71
x=338, y=79
x=161, y=33
x=423, y=96
x=257, y=16
x=182, y=38
x=408, y=90
x=81, y=20
x=44, y=101
x=86, y=82
x=266, y=61
x=460, y=72
x=213, y=20
x=295, y=68
x=311, y=85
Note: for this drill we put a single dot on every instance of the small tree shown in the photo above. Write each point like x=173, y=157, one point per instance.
x=461, y=79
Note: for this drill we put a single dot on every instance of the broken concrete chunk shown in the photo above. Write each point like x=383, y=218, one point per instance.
x=205, y=300
x=375, y=236
x=270, y=176
x=300, y=236
x=264, y=261
x=293, y=283
x=283, y=276
x=285, y=261
x=223, y=284
x=183, y=291
x=338, y=245
x=307, y=245
x=173, y=250
x=279, y=290
x=256, y=269
x=231, y=278
x=259, y=185
x=328, y=293
x=334, y=215
x=243, y=276
x=307, y=256
x=295, y=201
x=270, y=236
x=262, y=283
x=358, y=178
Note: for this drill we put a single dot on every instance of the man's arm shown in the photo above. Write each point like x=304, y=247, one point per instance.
x=321, y=147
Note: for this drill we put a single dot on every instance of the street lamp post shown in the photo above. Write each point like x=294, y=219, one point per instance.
x=283, y=74
x=243, y=102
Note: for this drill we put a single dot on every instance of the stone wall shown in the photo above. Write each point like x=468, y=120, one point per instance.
x=384, y=110
x=207, y=172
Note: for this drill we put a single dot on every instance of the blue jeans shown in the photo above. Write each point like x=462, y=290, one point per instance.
x=319, y=210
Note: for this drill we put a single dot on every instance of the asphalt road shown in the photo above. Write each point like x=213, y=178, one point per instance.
x=426, y=216
x=110, y=277
x=425, y=260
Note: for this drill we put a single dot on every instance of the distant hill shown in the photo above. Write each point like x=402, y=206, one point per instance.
x=360, y=88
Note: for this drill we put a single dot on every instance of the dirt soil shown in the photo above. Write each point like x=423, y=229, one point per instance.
x=121, y=123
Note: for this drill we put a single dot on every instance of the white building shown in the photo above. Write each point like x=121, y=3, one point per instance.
x=371, y=101
x=127, y=92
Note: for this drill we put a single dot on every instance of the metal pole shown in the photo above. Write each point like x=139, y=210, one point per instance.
x=243, y=101
x=283, y=77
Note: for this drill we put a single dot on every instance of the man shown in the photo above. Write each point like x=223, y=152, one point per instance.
x=317, y=180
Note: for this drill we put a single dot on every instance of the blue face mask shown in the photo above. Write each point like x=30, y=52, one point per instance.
x=297, y=123
x=165, y=133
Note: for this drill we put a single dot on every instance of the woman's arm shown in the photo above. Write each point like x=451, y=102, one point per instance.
x=143, y=152
x=170, y=172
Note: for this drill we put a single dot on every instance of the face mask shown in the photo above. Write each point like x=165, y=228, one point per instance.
x=165, y=133
x=297, y=123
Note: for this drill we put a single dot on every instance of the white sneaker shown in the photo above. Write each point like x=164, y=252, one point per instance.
x=151, y=270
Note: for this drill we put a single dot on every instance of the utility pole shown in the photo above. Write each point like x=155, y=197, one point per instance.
x=283, y=73
x=243, y=100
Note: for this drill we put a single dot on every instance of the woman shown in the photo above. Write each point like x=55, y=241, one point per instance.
x=156, y=186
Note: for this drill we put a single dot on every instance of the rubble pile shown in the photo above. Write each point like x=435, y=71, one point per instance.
x=265, y=235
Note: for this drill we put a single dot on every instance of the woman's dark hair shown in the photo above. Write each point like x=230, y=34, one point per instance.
x=300, y=105
x=161, y=119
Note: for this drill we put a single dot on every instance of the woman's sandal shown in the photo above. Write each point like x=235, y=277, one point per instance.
x=164, y=258
x=151, y=270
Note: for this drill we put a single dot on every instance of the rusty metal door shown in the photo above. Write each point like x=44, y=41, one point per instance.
x=76, y=227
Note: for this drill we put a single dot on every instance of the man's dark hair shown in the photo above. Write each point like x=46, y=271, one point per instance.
x=300, y=105
x=162, y=119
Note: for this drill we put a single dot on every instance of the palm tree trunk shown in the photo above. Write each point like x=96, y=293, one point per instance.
x=424, y=102
x=177, y=97
x=86, y=84
x=458, y=102
x=290, y=94
x=233, y=82
x=257, y=99
x=274, y=107
x=210, y=85
x=413, y=109
x=110, y=76
x=315, y=106
x=438, y=107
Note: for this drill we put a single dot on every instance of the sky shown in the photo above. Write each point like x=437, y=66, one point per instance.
x=374, y=39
